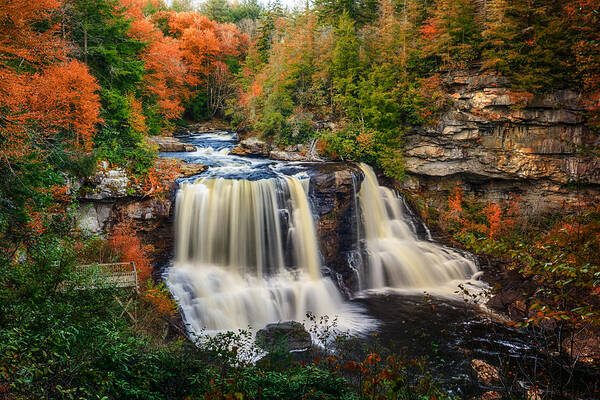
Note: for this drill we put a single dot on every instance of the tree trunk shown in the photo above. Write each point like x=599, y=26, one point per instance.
x=85, y=43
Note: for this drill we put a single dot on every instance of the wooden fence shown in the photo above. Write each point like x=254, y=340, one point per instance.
x=120, y=275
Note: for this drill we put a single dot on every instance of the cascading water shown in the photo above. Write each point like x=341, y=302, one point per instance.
x=247, y=255
x=395, y=256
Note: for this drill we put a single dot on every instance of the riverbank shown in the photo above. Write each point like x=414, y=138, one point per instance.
x=333, y=187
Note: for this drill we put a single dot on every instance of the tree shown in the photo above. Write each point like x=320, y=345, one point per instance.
x=359, y=11
x=217, y=10
x=452, y=33
x=585, y=24
x=210, y=51
x=346, y=66
x=63, y=99
x=530, y=42
x=102, y=31
x=163, y=86
x=48, y=116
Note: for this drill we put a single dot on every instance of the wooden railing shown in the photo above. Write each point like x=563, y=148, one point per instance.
x=121, y=274
x=118, y=275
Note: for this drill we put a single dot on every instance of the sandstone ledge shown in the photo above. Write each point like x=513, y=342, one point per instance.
x=171, y=144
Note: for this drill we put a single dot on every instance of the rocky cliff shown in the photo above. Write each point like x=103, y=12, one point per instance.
x=496, y=142
x=104, y=205
x=109, y=197
x=332, y=191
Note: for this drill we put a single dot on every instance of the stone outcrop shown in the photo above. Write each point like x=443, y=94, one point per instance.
x=151, y=218
x=106, y=184
x=496, y=142
x=286, y=155
x=289, y=335
x=333, y=187
x=109, y=197
x=252, y=146
x=171, y=144
x=486, y=373
x=92, y=217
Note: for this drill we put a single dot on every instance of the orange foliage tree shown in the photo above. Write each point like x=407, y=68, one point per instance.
x=125, y=241
x=165, y=69
x=62, y=97
x=40, y=88
x=206, y=47
x=48, y=104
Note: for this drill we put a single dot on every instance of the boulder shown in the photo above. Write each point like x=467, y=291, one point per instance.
x=188, y=169
x=252, y=146
x=171, y=144
x=490, y=396
x=289, y=335
x=106, y=184
x=286, y=155
x=486, y=373
x=92, y=217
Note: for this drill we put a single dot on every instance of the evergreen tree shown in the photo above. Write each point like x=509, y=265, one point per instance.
x=530, y=42
x=217, y=10
x=346, y=68
x=452, y=34
x=267, y=30
x=360, y=11
x=100, y=28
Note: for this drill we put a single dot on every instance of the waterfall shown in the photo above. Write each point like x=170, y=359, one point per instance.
x=247, y=255
x=395, y=256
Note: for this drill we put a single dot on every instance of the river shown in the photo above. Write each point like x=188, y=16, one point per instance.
x=246, y=254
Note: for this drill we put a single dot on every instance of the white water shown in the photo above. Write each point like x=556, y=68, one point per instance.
x=247, y=255
x=396, y=258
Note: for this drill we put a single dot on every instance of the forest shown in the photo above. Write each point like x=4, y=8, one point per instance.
x=86, y=86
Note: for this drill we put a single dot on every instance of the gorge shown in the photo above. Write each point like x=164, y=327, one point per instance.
x=247, y=250
x=342, y=200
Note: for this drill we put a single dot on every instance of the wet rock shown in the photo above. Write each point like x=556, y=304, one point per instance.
x=486, y=373
x=333, y=187
x=289, y=335
x=188, y=169
x=490, y=396
x=252, y=146
x=171, y=144
x=286, y=155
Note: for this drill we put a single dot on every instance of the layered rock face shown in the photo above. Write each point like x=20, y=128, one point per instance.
x=333, y=188
x=109, y=197
x=496, y=143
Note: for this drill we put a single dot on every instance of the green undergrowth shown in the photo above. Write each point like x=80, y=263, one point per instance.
x=61, y=339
